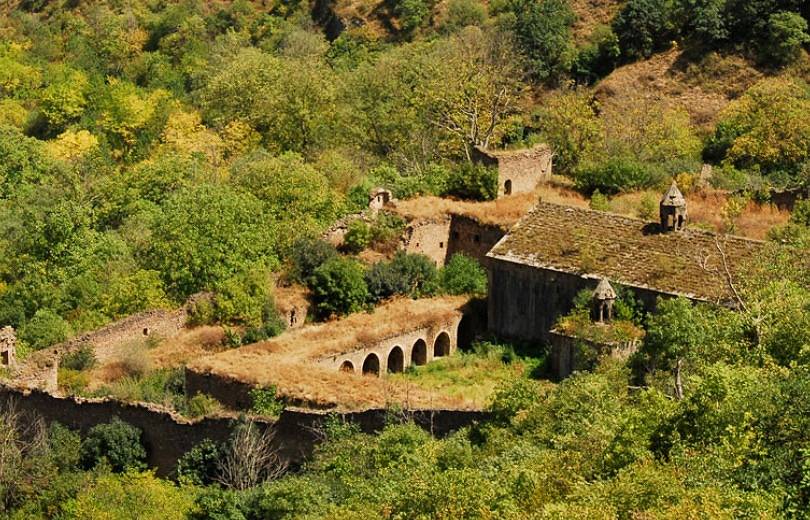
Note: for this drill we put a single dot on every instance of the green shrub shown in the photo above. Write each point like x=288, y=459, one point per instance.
x=201, y=312
x=407, y=274
x=463, y=275
x=65, y=447
x=201, y=405
x=801, y=213
x=339, y=287
x=71, y=382
x=643, y=26
x=543, y=31
x=386, y=230
x=199, y=465
x=787, y=35
x=599, y=202
x=115, y=443
x=264, y=401
x=412, y=14
x=82, y=359
x=44, y=329
x=473, y=181
x=244, y=298
x=308, y=254
x=614, y=175
x=463, y=13
x=358, y=236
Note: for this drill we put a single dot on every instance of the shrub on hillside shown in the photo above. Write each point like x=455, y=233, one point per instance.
x=358, y=236
x=244, y=298
x=265, y=401
x=472, y=181
x=115, y=443
x=308, y=254
x=463, y=13
x=787, y=35
x=413, y=275
x=199, y=465
x=615, y=175
x=45, y=328
x=81, y=359
x=643, y=27
x=463, y=275
x=339, y=287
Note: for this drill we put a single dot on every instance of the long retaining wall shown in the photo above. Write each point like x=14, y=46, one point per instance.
x=168, y=436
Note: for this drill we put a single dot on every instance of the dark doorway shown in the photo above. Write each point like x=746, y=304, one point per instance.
x=441, y=347
x=396, y=360
x=466, y=332
x=347, y=366
x=371, y=365
x=419, y=353
x=507, y=187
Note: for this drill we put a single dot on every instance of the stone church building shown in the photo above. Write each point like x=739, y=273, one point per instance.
x=554, y=251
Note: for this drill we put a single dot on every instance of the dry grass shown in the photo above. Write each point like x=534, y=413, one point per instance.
x=706, y=210
x=293, y=296
x=289, y=361
x=503, y=212
x=702, y=89
x=591, y=14
x=137, y=359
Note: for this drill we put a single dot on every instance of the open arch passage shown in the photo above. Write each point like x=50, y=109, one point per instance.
x=419, y=353
x=466, y=332
x=507, y=187
x=371, y=366
x=441, y=347
x=396, y=360
x=347, y=366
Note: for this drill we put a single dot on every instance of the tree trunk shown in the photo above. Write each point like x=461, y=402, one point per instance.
x=678, y=382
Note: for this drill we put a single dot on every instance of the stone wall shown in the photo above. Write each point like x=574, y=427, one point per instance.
x=429, y=237
x=109, y=340
x=470, y=237
x=525, y=302
x=568, y=353
x=417, y=347
x=167, y=436
x=519, y=171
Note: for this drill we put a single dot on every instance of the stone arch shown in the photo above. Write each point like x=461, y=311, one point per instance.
x=507, y=187
x=419, y=353
x=466, y=332
x=441, y=345
x=347, y=366
x=371, y=365
x=396, y=360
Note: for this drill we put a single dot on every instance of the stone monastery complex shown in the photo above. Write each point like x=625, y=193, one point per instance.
x=536, y=268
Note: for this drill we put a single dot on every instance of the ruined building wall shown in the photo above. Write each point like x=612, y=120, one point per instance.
x=470, y=237
x=429, y=237
x=519, y=171
x=525, y=302
x=167, y=436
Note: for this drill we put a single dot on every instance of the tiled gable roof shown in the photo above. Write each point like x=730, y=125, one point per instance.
x=630, y=251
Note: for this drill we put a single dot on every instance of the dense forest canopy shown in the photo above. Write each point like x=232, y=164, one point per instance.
x=153, y=149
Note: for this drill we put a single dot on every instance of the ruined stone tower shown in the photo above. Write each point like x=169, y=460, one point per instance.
x=603, y=298
x=8, y=346
x=672, y=209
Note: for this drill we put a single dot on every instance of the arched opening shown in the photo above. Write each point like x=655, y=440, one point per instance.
x=371, y=365
x=441, y=347
x=466, y=332
x=507, y=187
x=396, y=360
x=419, y=353
x=347, y=366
